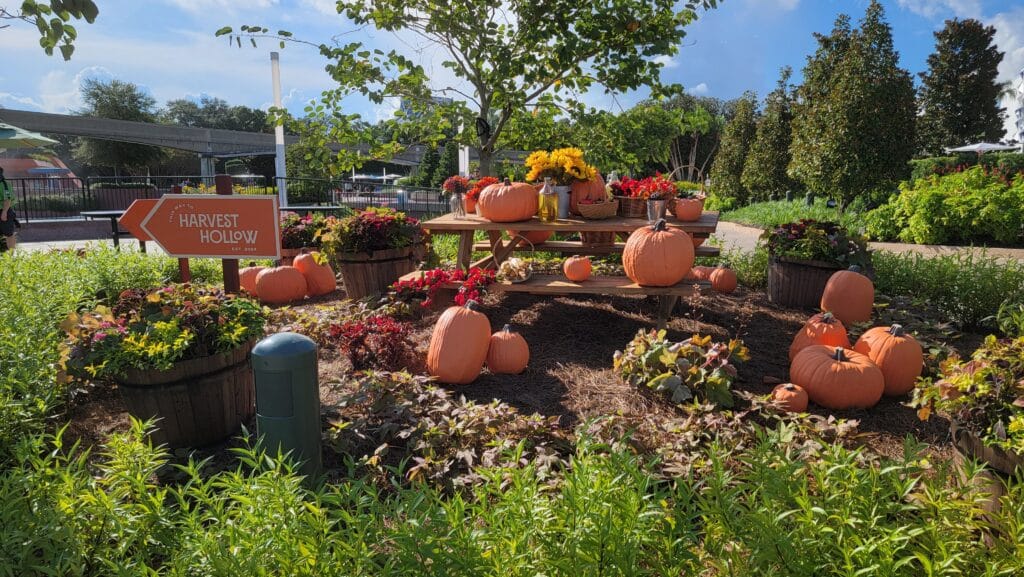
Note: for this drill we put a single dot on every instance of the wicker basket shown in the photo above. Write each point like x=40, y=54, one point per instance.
x=603, y=238
x=630, y=207
x=598, y=211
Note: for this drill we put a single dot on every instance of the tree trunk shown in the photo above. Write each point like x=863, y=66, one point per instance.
x=486, y=161
x=693, y=155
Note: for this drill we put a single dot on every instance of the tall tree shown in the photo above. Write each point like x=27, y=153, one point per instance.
x=959, y=96
x=764, y=171
x=118, y=100
x=447, y=165
x=510, y=56
x=727, y=171
x=854, y=115
x=53, y=20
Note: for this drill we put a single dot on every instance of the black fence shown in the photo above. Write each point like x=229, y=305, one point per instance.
x=45, y=198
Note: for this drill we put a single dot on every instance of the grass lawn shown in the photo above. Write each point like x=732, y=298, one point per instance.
x=774, y=213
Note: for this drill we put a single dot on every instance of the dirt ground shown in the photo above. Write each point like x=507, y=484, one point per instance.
x=572, y=341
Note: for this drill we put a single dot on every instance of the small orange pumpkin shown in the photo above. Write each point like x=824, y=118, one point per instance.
x=657, y=255
x=586, y=190
x=821, y=329
x=849, y=295
x=723, y=279
x=898, y=354
x=508, y=352
x=320, y=278
x=458, y=345
x=280, y=285
x=508, y=202
x=702, y=272
x=837, y=378
x=688, y=209
x=790, y=398
x=247, y=278
x=534, y=236
x=577, y=268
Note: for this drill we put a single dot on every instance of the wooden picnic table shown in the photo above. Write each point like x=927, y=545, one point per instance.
x=500, y=250
x=115, y=231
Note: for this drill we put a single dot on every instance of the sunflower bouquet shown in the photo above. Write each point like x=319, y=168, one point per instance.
x=563, y=166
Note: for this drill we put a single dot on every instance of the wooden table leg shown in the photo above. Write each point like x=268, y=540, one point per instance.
x=465, y=249
x=666, y=304
x=113, y=233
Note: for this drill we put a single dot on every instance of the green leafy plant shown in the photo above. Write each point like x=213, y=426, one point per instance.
x=1010, y=317
x=984, y=394
x=813, y=240
x=370, y=230
x=695, y=369
x=153, y=329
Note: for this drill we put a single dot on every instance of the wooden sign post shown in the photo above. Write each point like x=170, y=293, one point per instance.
x=221, y=226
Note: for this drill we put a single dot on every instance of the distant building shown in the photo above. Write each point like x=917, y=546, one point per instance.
x=407, y=106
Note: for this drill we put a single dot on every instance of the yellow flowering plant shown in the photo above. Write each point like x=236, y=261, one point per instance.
x=563, y=166
x=153, y=329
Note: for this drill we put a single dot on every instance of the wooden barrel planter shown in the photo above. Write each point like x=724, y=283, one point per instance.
x=798, y=283
x=368, y=274
x=992, y=484
x=198, y=402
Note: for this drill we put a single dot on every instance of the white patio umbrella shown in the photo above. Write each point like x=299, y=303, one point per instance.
x=14, y=137
x=982, y=148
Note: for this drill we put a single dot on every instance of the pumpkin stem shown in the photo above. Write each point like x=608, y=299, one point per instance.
x=507, y=182
x=507, y=328
x=840, y=355
x=854, y=268
x=660, y=225
x=473, y=305
x=896, y=330
x=828, y=318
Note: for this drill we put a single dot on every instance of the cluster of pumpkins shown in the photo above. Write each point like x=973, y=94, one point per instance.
x=825, y=369
x=509, y=201
x=462, y=343
x=660, y=256
x=284, y=284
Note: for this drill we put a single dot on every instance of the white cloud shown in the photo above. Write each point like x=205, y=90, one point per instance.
x=787, y=4
x=937, y=8
x=329, y=7
x=699, y=90
x=206, y=6
x=666, y=61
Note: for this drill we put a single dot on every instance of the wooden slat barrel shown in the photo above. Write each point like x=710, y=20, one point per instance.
x=367, y=274
x=197, y=402
x=798, y=283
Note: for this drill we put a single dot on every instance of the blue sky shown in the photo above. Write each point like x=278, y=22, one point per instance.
x=168, y=48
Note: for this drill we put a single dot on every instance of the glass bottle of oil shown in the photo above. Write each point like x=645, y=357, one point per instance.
x=548, y=205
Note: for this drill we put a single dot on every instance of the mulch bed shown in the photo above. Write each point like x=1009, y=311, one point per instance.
x=572, y=341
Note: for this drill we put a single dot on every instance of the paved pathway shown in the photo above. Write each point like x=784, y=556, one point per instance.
x=744, y=238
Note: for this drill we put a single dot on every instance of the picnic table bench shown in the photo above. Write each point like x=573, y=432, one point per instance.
x=540, y=284
x=115, y=231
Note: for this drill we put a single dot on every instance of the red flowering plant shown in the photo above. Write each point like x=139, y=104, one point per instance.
x=371, y=230
x=472, y=286
x=378, y=342
x=456, y=185
x=479, y=185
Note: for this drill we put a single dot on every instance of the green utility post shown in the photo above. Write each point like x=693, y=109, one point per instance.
x=288, y=398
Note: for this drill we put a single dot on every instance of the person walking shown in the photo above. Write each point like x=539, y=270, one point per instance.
x=7, y=217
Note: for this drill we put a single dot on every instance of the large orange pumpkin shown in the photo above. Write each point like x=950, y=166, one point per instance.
x=821, y=329
x=247, y=278
x=849, y=295
x=577, y=268
x=657, y=255
x=586, y=190
x=534, y=236
x=458, y=345
x=508, y=352
x=280, y=285
x=508, y=202
x=837, y=378
x=790, y=398
x=320, y=278
x=723, y=279
x=898, y=354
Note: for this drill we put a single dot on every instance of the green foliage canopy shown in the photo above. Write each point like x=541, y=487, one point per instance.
x=53, y=20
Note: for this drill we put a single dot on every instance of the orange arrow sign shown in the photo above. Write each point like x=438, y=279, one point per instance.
x=199, y=225
x=132, y=218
